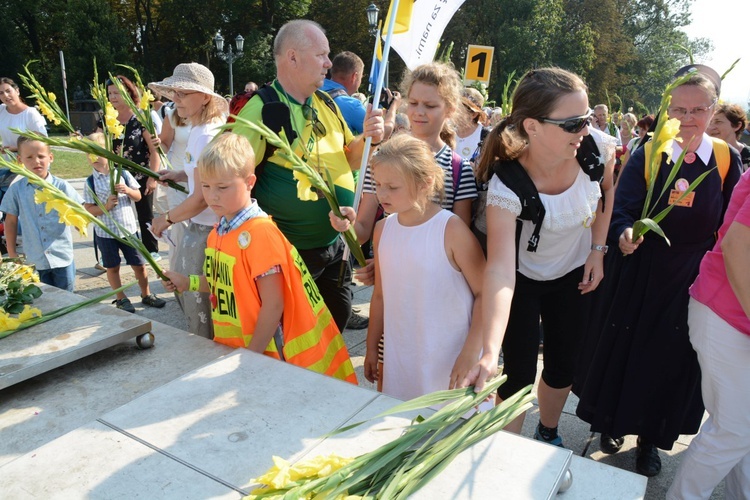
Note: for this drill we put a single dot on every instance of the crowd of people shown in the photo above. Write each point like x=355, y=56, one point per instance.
x=488, y=230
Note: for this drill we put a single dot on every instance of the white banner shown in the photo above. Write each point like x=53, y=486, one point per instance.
x=428, y=21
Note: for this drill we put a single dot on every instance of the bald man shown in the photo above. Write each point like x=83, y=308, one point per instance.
x=324, y=141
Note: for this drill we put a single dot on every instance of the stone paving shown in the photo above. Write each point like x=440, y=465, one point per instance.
x=576, y=434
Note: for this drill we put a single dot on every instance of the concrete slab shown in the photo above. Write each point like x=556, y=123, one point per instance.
x=124, y=469
x=50, y=345
x=38, y=410
x=244, y=405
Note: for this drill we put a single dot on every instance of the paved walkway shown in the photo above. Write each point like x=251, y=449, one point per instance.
x=576, y=435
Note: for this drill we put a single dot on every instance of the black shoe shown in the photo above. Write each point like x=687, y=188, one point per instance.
x=647, y=461
x=357, y=322
x=124, y=304
x=610, y=445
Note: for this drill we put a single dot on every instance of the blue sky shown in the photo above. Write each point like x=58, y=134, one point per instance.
x=714, y=19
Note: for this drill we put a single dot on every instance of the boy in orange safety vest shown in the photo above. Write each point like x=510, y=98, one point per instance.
x=262, y=295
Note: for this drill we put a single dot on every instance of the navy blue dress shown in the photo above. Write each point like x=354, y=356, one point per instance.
x=643, y=377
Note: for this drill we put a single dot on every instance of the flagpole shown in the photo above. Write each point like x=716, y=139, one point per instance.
x=375, y=105
x=374, y=58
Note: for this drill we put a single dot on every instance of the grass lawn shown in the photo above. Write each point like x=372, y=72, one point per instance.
x=68, y=164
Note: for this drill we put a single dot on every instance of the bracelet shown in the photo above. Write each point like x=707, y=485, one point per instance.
x=166, y=217
x=195, y=283
x=376, y=144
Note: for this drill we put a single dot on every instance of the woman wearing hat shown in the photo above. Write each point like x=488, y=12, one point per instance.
x=191, y=87
x=644, y=378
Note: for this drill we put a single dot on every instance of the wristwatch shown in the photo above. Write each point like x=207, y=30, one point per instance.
x=600, y=248
x=166, y=217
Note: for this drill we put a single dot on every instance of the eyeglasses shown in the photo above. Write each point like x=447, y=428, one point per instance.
x=698, y=112
x=570, y=125
x=311, y=114
x=179, y=94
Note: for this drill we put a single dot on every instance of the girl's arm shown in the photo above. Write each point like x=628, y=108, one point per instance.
x=271, y=291
x=376, y=326
x=497, y=293
x=462, y=208
x=593, y=269
x=181, y=283
x=734, y=248
x=465, y=253
x=154, y=161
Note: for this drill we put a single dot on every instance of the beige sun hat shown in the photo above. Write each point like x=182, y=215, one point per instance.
x=189, y=76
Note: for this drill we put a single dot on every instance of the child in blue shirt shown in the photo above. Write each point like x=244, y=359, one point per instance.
x=47, y=243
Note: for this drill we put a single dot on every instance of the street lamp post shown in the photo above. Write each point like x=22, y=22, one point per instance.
x=230, y=55
x=372, y=21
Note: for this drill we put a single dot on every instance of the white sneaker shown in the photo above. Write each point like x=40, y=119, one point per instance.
x=156, y=256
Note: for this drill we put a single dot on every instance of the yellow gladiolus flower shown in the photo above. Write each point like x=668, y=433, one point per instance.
x=52, y=97
x=146, y=100
x=46, y=111
x=305, y=191
x=110, y=119
x=319, y=466
x=51, y=201
x=72, y=218
x=667, y=135
x=277, y=476
x=7, y=322
x=29, y=313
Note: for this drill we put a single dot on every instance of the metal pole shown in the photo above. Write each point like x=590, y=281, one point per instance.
x=230, y=59
x=65, y=84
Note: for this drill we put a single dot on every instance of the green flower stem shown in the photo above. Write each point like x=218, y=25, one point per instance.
x=87, y=146
x=40, y=94
x=402, y=466
x=65, y=310
x=316, y=180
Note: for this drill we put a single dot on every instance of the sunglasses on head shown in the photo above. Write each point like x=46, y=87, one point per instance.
x=570, y=125
x=311, y=115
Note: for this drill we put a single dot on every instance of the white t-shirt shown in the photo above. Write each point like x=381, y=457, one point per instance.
x=467, y=145
x=28, y=119
x=200, y=136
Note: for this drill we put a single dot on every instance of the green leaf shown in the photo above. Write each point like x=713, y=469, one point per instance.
x=34, y=291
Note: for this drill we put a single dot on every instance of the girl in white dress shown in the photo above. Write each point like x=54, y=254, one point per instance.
x=428, y=278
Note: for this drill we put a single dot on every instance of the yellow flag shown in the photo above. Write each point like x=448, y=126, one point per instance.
x=403, y=17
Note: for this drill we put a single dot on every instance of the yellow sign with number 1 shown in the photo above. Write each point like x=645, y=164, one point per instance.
x=478, y=64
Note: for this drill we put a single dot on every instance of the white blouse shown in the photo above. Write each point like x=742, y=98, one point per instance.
x=565, y=236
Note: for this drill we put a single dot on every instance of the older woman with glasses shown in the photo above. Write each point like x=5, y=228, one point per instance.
x=191, y=87
x=644, y=377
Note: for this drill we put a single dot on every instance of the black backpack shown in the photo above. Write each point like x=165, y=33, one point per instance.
x=275, y=114
x=514, y=176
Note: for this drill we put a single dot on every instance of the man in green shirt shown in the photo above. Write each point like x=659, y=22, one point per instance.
x=324, y=141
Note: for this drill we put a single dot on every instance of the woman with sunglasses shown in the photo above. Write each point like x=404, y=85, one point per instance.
x=644, y=378
x=191, y=87
x=542, y=134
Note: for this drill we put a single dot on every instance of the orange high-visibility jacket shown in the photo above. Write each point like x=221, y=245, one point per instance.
x=233, y=262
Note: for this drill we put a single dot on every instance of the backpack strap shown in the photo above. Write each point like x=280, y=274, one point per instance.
x=515, y=177
x=328, y=100
x=334, y=93
x=457, y=164
x=591, y=162
x=723, y=158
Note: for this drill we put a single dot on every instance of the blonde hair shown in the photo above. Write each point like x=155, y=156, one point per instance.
x=414, y=160
x=227, y=154
x=97, y=138
x=445, y=77
x=211, y=112
x=27, y=140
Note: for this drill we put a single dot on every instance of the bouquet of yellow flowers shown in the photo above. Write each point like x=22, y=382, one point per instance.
x=45, y=101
